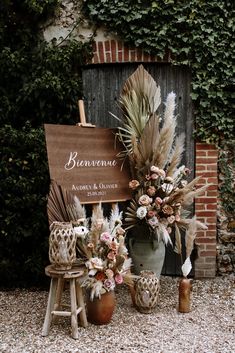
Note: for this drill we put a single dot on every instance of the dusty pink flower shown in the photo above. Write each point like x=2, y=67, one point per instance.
x=151, y=213
x=90, y=245
x=158, y=200
x=153, y=222
x=147, y=177
x=106, y=237
x=151, y=190
x=99, y=222
x=168, y=210
x=113, y=246
x=154, y=176
x=118, y=278
x=133, y=184
x=145, y=200
x=111, y=255
x=187, y=171
x=109, y=284
x=177, y=218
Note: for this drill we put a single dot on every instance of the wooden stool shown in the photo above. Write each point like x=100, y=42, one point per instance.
x=58, y=278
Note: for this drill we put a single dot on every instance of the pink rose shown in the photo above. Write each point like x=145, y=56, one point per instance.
x=154, y=176
x=151, y=213
x=151, y=190
x=109, y=273
x=111, y=255
x=113, y=246
x=133, y=184
x=162, y=173
x=109, y=284
x=118, y=278
x=177, y=218
x=153, y=222
x=106, y=237
x=145, y=200
x=158, y=200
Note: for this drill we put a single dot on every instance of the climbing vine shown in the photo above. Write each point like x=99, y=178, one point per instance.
x=40, y=83
x=197, y=33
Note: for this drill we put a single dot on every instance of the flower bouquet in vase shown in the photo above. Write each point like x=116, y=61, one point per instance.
x=101, y=248
x=161, y=192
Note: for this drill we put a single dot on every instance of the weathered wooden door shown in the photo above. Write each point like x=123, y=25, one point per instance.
x=102, y=86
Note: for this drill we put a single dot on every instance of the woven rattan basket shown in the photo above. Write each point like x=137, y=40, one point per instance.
x=146, y=291
x=62, y=245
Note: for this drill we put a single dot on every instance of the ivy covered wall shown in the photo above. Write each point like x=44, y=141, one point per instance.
x=40, y=83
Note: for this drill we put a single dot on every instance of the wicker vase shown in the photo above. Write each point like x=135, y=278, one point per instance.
x=146, y=292
x=62, y=245
x=100, y=311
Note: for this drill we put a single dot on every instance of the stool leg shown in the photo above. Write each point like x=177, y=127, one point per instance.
x=50, y=307
x=74, y=319
x=80, y=303
x=59, y=292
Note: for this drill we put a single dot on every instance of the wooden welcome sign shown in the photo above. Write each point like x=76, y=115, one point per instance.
x=84, y=161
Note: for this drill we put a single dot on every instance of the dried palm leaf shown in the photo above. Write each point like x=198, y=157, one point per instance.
x=178, y=243
x=58, y=199
x=190, y=236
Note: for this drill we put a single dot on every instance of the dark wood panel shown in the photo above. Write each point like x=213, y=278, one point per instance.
x=102, y=86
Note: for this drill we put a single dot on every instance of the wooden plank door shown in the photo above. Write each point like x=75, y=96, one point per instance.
x=102, y=85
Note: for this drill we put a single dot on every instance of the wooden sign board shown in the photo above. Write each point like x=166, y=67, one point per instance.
x=84, y=161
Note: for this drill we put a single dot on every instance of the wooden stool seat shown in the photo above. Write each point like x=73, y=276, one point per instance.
x=58, y=277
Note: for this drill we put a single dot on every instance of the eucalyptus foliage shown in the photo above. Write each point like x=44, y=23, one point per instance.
x=39, y=83
x=198, y=33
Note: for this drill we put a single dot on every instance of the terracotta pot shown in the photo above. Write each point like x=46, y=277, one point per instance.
x=100, y=311
x=185, y=287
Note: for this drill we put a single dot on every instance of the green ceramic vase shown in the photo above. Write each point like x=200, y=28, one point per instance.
x=146, y=253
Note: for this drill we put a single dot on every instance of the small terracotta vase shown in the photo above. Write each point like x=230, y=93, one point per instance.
x=100, y=311
x=185, y=287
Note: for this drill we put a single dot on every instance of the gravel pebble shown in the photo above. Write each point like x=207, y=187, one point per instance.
x=208, y=328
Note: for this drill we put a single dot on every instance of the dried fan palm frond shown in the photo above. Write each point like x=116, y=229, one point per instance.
x=140, y=98
x=58, y=198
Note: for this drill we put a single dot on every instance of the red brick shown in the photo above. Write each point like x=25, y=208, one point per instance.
x=201, y=167
x=200, y=206
x=211, y=206
x=212, y=193
x=107, y=45
x=211, y=260
x=206, y=240
x=207, y=174
x=206, y=160
x=120, y=45
x=205, y=200
x=212, y=167
x=212, y=153
x=199, y=274
x=108, y=58
x=212, y=181
x=201, y=153
x=101, y=52
x=113, y=50
x=207, y=253
x=126, y=54
x=211, y=227
x=210, y=247
x=139, y=53
x=204, y=146
x=209, y=273
x=206, y=213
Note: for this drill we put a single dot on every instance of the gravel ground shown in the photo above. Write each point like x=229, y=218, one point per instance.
x=208, y=328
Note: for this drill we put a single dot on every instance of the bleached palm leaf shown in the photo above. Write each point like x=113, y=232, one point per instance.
x=190, y=236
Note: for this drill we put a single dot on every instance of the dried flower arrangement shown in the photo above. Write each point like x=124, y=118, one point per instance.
x=101, y=248
x=161, y=193
x=100, y=244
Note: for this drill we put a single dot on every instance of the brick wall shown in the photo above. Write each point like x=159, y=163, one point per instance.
x=206, y=209
x=112, y=51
